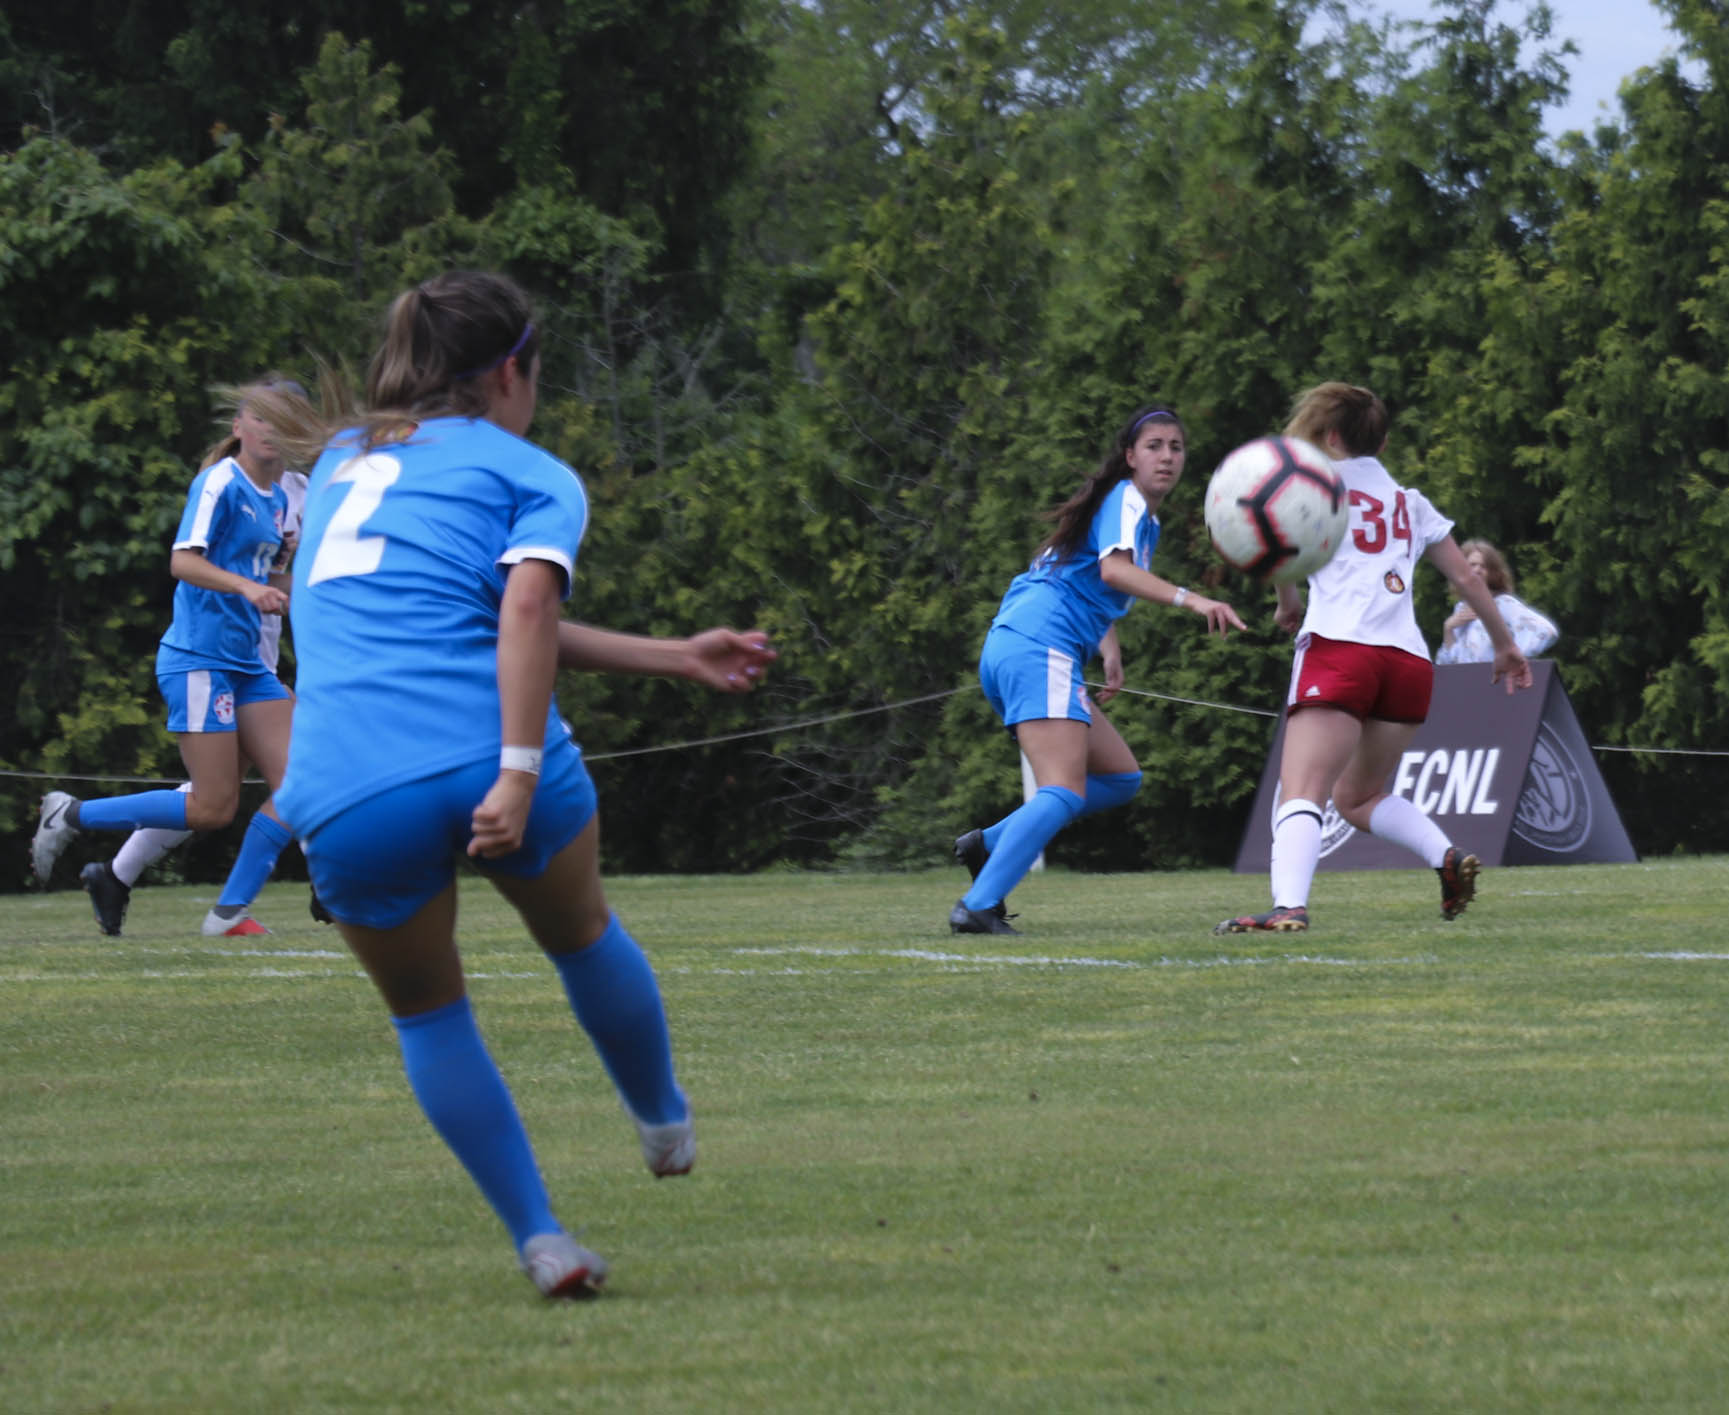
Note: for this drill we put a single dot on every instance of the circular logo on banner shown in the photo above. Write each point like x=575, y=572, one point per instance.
x=1335, y=829
x=1555, y=807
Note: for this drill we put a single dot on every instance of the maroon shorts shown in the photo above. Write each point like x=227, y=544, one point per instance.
x=1365, y=680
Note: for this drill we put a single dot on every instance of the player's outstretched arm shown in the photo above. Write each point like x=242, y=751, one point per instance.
x=727, y=660
x=1119, y=571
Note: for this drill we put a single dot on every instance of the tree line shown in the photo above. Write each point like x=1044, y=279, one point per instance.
x=838, y=296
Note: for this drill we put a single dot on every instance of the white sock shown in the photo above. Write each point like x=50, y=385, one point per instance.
x=143, y=848
x=1296, y=852
x=1397, y=820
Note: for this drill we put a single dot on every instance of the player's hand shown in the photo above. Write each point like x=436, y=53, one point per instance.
x=502, y=816
x=267, y=599
x=1220, y=617
x=728, y=661
x=1113, y=684
x=1511, y=665
x=1289, y=617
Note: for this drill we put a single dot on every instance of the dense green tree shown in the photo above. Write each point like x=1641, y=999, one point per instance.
x=1630, y=456
x=971, y=237
x=123, y=299
x=341, y=187
x=644, y=104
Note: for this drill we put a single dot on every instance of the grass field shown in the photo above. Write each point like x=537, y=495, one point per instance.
x=1114, y=1164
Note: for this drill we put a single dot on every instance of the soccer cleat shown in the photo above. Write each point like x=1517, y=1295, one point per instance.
x=108, y=896
x=241, y=925
x=559, y=1266
x=970, y=851
x=1292, y=920
x=53, y=834
x=668, y=1150
x=320, y=915
x=1458, y=874
x=963, y=920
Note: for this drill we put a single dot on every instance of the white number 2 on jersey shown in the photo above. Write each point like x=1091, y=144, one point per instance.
x=343, y=550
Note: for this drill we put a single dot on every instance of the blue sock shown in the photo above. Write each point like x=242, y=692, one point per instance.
x=263, y=842
x=1104, y=791
x=1109, y=790
x=612, y=990
x=465, y=1098
x=165, y=810
x=1023, y=834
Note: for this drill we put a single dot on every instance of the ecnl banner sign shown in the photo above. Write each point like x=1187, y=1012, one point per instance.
x=1510, y=779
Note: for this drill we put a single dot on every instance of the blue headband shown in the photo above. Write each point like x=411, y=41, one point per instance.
x=1165, y=413
x=504, y=358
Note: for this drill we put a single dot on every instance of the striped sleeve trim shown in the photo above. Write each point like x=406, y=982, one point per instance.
x=565, y=562
x=216, y=481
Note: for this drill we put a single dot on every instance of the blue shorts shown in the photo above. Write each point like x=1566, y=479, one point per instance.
x=205, y=699
x=1026, y=680
x=379, y=863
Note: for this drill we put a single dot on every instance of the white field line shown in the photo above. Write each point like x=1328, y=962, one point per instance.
x=1678, y=956
x=1009, y=960
x=946, y=962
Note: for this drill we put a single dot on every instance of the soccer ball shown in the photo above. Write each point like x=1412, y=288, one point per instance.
x=1276, y=509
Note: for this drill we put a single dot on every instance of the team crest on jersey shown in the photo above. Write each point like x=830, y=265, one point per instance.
x=223, y=707
x=1394, y=582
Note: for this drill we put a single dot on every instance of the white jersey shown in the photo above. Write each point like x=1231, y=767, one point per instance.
x=270, y=625
x=1363, y=594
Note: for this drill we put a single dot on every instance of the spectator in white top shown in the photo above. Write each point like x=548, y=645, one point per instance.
x=1463, y=637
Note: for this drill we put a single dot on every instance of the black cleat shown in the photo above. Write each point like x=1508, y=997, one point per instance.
x=963, y=920
x=315, y=907
x=970, y=851
x=1458, y=874
x=1294, y=920
x=108, y=896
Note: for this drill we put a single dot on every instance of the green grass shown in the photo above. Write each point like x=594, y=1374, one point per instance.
x=1114, y=1164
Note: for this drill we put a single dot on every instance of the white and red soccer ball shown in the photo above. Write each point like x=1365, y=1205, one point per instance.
x=1276, y=509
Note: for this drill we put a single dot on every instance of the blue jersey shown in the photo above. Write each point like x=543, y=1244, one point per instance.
x=397, y=585
x=238, y=527
x=1065, y=603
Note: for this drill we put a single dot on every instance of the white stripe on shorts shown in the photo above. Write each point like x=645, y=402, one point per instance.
x=1297, y=668
x=197, y=699
x=1059, y=682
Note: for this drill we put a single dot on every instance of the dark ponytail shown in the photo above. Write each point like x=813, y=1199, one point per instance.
x=1075, y=515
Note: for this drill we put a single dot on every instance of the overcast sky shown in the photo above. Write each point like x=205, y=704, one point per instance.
x=1614, y=38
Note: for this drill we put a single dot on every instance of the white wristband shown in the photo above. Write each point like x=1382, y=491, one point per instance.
x=519, y=759
x=1179, y=596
